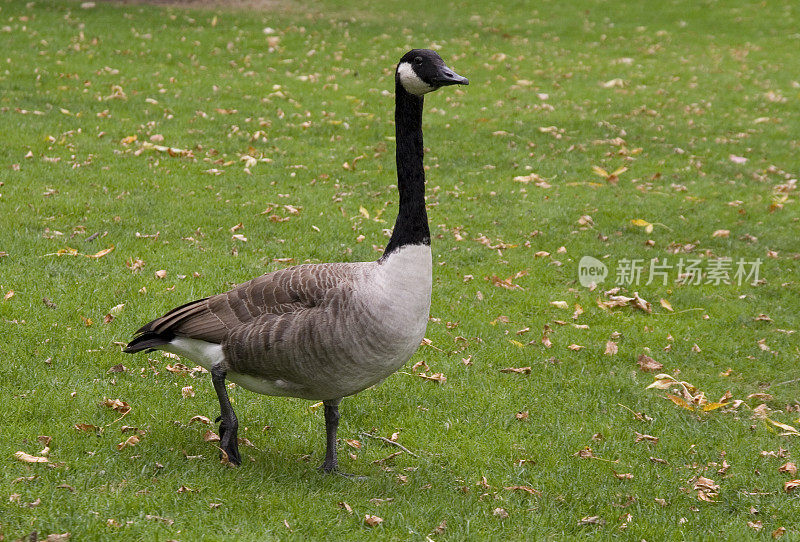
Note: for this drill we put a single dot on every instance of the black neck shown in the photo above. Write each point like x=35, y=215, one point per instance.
x=411, y=227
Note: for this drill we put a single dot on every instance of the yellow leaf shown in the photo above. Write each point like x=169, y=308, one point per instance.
x=101, y=253
x=784, y=426
x=517, y=343
x=128, y=140
x=680, y=402
x=640, y=222
x=599, y=171
x=27, y=458
x=363, y=212
x=619, y=171
x=666, y=304
x=713, y=406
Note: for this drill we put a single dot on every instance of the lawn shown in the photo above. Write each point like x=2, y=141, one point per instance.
x=151, y=155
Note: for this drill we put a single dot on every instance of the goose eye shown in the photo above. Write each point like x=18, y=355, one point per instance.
x=418, y=60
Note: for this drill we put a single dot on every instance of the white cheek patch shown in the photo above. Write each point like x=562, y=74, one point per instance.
x=411, y=81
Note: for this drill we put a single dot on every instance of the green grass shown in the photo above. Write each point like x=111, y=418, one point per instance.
x=699, y=82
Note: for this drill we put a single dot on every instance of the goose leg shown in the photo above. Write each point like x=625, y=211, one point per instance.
x=331, y=462
x=229, y=425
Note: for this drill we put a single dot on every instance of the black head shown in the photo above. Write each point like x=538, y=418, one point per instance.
x=421, y=71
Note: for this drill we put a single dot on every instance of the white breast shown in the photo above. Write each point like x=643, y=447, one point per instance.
x=402, y=291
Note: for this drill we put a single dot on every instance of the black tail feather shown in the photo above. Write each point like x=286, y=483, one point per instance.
x=146, y=341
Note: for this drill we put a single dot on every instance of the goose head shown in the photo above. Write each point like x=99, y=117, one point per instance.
x=421, y=71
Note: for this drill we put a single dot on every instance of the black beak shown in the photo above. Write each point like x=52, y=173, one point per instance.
x=446, y=77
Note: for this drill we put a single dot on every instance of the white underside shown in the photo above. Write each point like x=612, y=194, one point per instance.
x=209, y=355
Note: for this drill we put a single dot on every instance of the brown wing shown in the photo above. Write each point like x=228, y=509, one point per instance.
x=212, y=318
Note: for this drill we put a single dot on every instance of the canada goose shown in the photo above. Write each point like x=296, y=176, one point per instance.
x=322, y=331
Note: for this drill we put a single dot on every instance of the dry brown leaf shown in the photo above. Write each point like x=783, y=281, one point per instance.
x=132, y=440
x=27, y=458
x=706, y=484
x=779, y=532
x=115, y=404
x=755, y=525
x=210, y=436
x=436, y=377
x=645, y=438
x=789, y=467
x=500, y=513
x=201, y=419
x=585, y=453
x=611, y=348
x=85, y=427
x=372, y=521
x=648, y=364
x=791, y=485
x=623, y=475
x=518, y=370
x=592, y=520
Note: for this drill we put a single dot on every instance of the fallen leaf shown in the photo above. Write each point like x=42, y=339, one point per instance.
x=592, y=520
x=518, y=370
x=101, y=253
x=679, y=401
x=611, y=348
x=560, y=304
x=789, y=467
x=666, y=304
x=27, y=458
x=201, y=419
x=500, y=513
x=737, y=159
x=346, y=506
x=133, y=440
x=648, y=364
x=86, y=427
x=115, y=404
x=648, y=227
x=645, y=438
x=788, y=486
x=779, y=532
x=623, y=475
x=372, y=521
x=755, y=525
